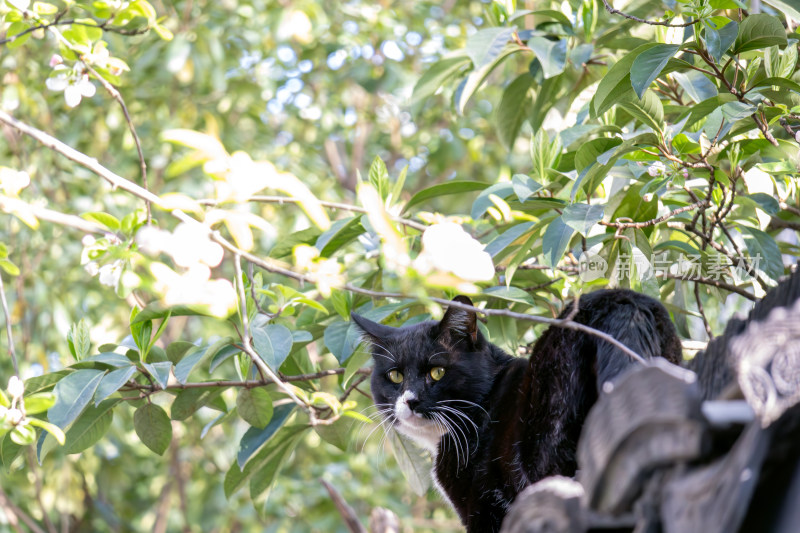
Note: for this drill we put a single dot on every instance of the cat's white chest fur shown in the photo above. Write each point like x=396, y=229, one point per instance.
x=423, y=431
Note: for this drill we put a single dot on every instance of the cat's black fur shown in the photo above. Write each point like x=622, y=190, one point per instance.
x=519, y=418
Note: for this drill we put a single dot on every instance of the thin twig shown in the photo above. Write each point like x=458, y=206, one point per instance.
x=348, y=515
x=332, y=205
x=247, y=384
x=12, y=511
x=655, y=221
x=263, y=368
x=614, y=11
x=10, y=336
x=115, y=94
x=79, y=157
x=11, y=205
x=714, y=283
x=702, y=311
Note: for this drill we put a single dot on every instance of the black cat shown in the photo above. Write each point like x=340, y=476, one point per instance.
x=493, y=423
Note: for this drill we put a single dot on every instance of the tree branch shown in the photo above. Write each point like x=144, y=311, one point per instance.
x=79, y=157
x=614, y=11
x=653, y=222
x=118, y=181
x=332, y=205
x=10, y=336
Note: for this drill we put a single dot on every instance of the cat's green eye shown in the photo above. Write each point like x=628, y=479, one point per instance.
x=395, y=376
x=437, y=373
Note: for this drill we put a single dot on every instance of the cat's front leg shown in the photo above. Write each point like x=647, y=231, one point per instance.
x=486, y=518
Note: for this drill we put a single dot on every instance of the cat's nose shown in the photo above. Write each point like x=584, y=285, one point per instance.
x=413, y=403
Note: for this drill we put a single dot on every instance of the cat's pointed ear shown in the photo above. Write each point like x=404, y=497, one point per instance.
x=372, y=330
x=459, y=324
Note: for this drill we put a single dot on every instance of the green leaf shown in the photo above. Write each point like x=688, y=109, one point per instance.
x=544, y=155
x=582, y=217
x=45, y=382
x=443, y=189
x=39, y=403
x=436, y=75
x=764, y=251
x=341, y=338
x=155, y=311
x=648, y=110
x=336, y=434
x=696, y=85
x=339, y=234
x=616, y=83
x=379, y=177
x=14, y=29
x=511, y=294
x=555, y=241
x=254, y=438
x=524, y=186
x=9, y=450
x=273, y=343
x=188, y=401
x=104, y=219
x=274, y=452
x=486, y=45
x=783, y=83
x=255, y=407
x=505, y=239
x=414, y=466
x=159, y=371
x=52, y=429
x=285, y=246
x=78, y=340
x=719, y=38
x=648, y=65
x=759, y=31
x=177, y=350
x=73, y=394
x=153, y=426
x=483, y=202
x=90, y=427
x=475, y=79
x=197, y=355
x=551, y=54
x=514, y=107
x=790, y=8
x=587, y=154
x=10, y=268
x=112, y=382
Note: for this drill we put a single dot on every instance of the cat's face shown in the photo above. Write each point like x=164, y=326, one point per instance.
x=427, y=376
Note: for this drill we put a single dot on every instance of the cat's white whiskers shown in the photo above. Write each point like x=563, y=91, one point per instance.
x=466, y=402
x=392, y=357
x=435, y=354
x=461, y=434
x=460, y=414
x=456, y=444
x=465, y=417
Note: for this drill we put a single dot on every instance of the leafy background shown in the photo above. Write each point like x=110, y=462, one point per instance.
x=546, y=130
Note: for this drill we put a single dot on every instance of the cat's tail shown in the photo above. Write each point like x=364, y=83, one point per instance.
x=640, y=323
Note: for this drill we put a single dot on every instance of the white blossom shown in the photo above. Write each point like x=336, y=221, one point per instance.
x=75, y=85
x=194, y=287
x=447, y=247
x=188, y=245
x=656, y=169
x=13, y=181
x=15, y=387
x=109, y=274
